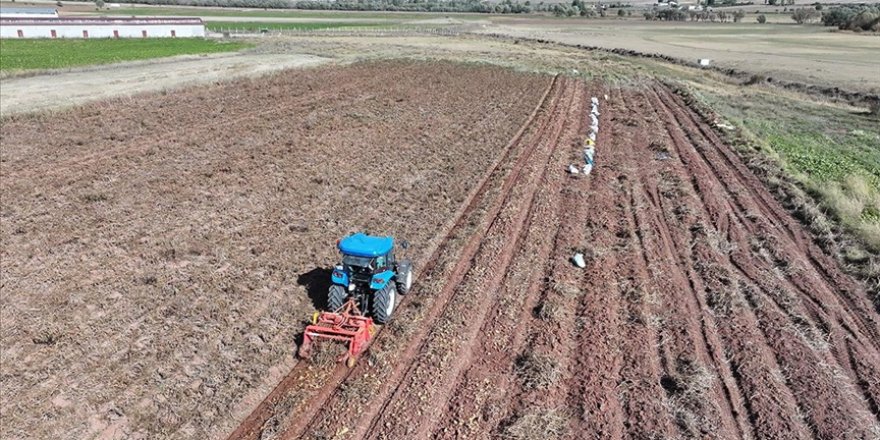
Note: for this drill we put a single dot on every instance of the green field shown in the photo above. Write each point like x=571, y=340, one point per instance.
x=57, y=54
x=256, y=26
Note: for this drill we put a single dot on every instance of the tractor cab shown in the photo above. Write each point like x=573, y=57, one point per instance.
x=370, y=274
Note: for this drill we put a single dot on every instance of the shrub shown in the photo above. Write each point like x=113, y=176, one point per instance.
x=762, y=19
x=804, y=15
x=865, y=18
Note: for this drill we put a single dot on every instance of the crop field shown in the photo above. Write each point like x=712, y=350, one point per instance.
x=161, y=255
x=57, y=54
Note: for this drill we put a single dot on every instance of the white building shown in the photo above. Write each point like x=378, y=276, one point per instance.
x=28, y=13
x=101, y=27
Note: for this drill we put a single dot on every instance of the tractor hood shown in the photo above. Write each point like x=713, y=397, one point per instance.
x=363, y=245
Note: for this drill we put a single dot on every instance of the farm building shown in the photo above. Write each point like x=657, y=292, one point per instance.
x=28, y=13
x=101, y=27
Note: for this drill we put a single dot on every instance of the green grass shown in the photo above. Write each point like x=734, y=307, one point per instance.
x=256, y=26
x=833, y=152
x=56, y=54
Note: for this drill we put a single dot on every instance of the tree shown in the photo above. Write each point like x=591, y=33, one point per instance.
x=762, y=19
x=99, y=3
x=621, y=13
x=738, y=15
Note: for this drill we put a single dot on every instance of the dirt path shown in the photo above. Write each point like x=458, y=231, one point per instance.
x=79, y=86
x=705, y=309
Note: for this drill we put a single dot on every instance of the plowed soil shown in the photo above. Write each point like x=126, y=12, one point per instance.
x=177, y=257
x=160, y=254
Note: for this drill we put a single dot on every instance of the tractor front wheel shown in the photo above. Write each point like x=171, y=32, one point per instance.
x=336, y=297
x=383, y=303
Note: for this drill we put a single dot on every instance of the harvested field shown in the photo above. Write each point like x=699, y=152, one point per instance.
x=160, y=254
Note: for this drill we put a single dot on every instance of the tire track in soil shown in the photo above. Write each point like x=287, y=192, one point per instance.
x=578, y=390
x=740, y=349
x=697, y=338
x=452, y=280
x=641, y=395
x=693, y=380
x=300, y=377
x=796, y=277
x=482, y=389
x=474, y=297
x=846, y=293
x=595, y=363
x=820, y=392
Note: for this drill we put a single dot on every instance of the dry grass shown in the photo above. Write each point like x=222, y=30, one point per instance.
x=549, y=310
x=688, y=390
x=857, y=204
x=541, y=424
x=537, y=370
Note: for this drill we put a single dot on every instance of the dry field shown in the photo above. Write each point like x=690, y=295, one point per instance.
x=808, y=54
x=160, y=254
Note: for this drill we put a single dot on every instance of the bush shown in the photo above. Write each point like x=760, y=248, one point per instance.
x=762, y=19
x=854, y=18
x=804, y=15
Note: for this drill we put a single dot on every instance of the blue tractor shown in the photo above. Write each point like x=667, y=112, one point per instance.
x=370, y=275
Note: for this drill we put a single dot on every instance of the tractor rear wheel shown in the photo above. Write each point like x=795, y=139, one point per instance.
x=383, y=303
x=336, y=297
x=404, y=278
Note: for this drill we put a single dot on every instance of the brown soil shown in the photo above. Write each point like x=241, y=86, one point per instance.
x=161, y=253
x=704, y=312
x=151, y=257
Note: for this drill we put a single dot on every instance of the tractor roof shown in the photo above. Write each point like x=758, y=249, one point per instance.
x=363, y=245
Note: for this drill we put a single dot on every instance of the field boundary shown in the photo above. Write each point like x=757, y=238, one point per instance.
x=791, y=195
x=869, y=100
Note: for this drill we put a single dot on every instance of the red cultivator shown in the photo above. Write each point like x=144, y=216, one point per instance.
x=344, y=325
